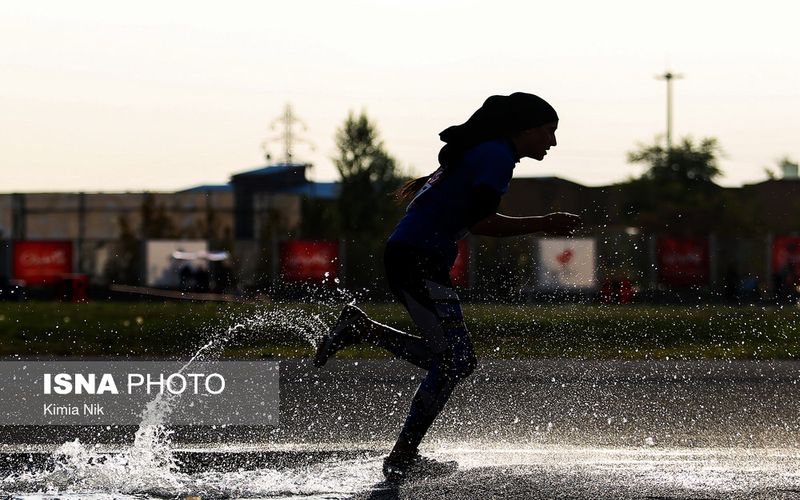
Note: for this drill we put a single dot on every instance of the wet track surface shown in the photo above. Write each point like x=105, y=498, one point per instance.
x=519, y=429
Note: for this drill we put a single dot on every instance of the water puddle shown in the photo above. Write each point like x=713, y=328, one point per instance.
x=150, y=467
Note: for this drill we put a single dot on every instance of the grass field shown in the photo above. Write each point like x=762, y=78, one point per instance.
x=177, y=330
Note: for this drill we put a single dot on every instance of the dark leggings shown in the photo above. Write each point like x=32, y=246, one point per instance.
x=421, y=282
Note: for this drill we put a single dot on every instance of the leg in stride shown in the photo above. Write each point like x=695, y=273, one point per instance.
x=438, y=314
x=355, y=327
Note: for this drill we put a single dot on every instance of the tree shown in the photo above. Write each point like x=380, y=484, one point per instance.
x=787, y=167
x=677, y=192
x=366, y=208
x=688, y=164
x=123, y=264
x=369, y=177
x=156, y=222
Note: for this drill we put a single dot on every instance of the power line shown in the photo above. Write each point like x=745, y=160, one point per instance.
x=288, y=137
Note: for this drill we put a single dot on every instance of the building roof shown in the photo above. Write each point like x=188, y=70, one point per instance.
x=208, y=187
x=781, y=181
x=285, y=178
x=316, y=190
x=277, y=168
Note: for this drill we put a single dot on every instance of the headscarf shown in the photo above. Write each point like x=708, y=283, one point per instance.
x=499, y=116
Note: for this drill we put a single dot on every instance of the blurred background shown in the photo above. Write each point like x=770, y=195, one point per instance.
x=251, y=151
x=205, y=180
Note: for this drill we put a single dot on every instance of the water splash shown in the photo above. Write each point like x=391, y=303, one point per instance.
x=149, y=466
x=77, y=470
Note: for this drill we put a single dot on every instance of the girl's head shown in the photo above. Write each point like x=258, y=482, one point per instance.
x=527, y=120
x=534, y=142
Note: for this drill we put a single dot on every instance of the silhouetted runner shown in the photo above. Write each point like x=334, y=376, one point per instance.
x=460, y=197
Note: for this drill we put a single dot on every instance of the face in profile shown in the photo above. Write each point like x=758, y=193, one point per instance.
x=534, y=142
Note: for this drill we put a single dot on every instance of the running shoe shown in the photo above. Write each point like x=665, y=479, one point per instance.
x=398, y=468
x=345, y=332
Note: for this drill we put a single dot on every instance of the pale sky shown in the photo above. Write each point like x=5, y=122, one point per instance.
x=164, y=95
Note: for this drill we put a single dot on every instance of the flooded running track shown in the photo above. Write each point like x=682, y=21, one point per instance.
x=519, y=429
x=539, y=472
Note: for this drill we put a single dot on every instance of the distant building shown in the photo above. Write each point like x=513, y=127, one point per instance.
x=540, y=195
x=268, y=199
x=255, y=205
x=258, y=208
x=777, y=203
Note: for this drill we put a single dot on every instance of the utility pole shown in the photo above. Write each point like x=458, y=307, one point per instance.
x=669, y=76
x=288, y=137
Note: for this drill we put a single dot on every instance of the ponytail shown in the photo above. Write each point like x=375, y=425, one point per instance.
x=448, y=155
x=407, y=191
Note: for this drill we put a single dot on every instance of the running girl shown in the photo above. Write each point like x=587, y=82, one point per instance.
x=459, y=198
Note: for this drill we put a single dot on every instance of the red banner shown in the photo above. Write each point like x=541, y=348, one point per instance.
x=682, y=261
x=309, y=261
x=459, y=273
x=786, y=260
x=42, y=262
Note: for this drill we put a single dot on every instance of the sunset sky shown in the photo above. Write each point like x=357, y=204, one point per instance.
x=146, y=95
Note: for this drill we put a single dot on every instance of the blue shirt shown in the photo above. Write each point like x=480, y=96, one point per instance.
x=437, y=216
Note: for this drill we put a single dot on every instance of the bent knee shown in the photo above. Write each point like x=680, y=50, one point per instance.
x=461, y=367
x=469, y=366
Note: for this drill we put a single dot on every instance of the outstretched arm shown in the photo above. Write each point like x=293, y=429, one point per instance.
x=498, y=225
x=482, y=219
